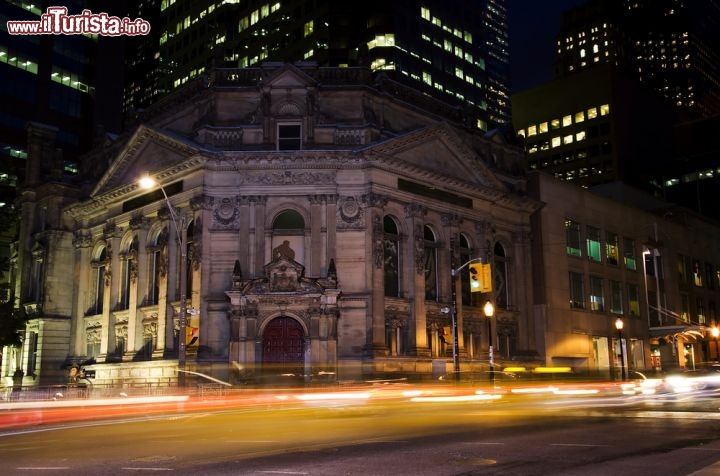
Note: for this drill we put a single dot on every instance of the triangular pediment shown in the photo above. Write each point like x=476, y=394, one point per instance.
x=288, y=77
x=438, y=149
x=146, y=151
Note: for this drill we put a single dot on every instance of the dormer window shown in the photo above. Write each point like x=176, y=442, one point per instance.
x=289, y=136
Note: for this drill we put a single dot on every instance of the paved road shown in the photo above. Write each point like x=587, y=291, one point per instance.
x=507, y=436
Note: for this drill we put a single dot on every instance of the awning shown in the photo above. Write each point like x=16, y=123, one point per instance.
x=694, y=332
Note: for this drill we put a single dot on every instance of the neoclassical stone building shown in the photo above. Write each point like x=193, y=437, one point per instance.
x=322, y=210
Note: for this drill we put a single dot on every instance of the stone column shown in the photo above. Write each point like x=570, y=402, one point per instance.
x=138, y=287
x=414, y=270
x=375, y=340
x=82, y=298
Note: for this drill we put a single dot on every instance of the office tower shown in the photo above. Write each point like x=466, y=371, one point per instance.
x=454, y=50
x=594, y=127
x=47, y=79
x=656, y=64
x=671, y=46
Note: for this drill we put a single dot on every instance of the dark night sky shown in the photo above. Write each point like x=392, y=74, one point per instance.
x=534, y=24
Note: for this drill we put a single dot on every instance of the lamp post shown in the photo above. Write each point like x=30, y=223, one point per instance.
x=489, y=310
x=148, y=182
x=619, y=326
x=715, y=332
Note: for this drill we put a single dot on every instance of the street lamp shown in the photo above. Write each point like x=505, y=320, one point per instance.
x=715, y=332
x=619, y=326
x=148, y=182
x=489, y=310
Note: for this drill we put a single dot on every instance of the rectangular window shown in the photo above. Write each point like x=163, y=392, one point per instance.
x=289, y=137
x=681, y=272
x=605, y=109
x=616, y=302
x=32, y=353
x=612, y=249
x=684, y=307
x=566, y=120
x=633, y=302
x=579, y=116
x=592, y=113
x=577, y=291
x=593, y=244
x=700, y=306
x=572, y=237
x=697, y=274
x=709, y=276
x=597, y=299
x=629, y=253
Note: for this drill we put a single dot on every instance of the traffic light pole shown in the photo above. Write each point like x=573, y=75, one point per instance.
x=453, y=314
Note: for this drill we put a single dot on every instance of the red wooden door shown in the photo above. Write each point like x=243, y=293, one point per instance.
x=283, y=347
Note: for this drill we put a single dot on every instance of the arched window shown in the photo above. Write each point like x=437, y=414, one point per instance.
x=391, y=253
x=288, y=235
x=100, y=267
x=500, y=277
x=189, y=250
x=156, y=265
x=129, y=273
x=464, y=254
x=430, y=266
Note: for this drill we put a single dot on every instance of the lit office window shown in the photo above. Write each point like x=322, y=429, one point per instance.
x=566, y=120
x=579, y=116
x=593, y=244
x=531, y=130
x=605, y=109
x=387, y=39
x=308, y=28
x=543, y=127
x=592, y=113
x=568, y=139
x=572, y=237
x=633, y=301
x=555, y=142
x=580, y=136
x=629, y=253
x=555, y=124
x=612, y=248
x=425, y=13
x=427, y=78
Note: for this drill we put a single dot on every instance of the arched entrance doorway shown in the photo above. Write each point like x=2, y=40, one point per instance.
x=283, y=348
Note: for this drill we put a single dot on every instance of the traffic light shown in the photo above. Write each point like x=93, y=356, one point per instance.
x=480, y=278
x=476, y=277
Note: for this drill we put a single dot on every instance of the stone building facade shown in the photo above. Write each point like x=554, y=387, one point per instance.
x=322, y=211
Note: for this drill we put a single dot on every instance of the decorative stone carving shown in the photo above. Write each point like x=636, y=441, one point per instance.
x=378, y=245
x=289, y=177
x=350, y=214
x=451, y=219
x=419, y=250
x=415, y=210
x=82, y=239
